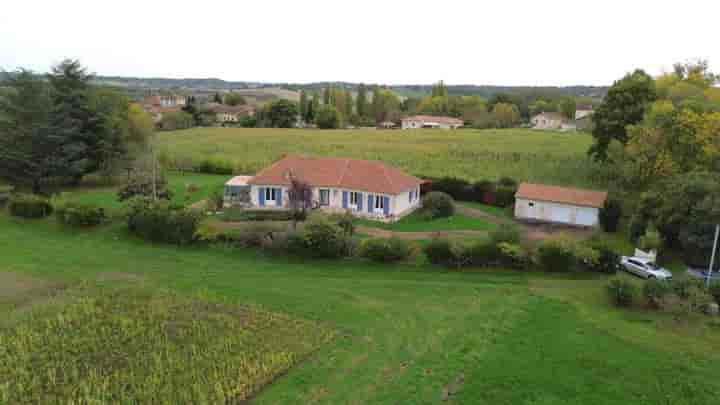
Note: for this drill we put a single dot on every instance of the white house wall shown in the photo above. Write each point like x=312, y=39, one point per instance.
x=400, y=204
x=554, y=212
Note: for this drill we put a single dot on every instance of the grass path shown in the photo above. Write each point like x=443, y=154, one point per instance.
x=409, y=332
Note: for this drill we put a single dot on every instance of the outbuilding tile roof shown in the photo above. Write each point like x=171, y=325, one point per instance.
x=354, y=174
x=562, y=195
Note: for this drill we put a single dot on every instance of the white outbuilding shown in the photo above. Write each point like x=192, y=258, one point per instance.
x=561, y=205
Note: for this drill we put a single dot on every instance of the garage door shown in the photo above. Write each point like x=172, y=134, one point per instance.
x=561, y=214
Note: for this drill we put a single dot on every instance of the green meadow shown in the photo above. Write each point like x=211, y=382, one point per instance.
x=527, y=155
x=99, y=303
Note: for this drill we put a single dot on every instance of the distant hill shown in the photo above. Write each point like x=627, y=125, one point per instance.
x=263, y=91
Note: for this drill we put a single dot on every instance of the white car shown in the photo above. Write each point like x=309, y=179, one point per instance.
x=645, y=268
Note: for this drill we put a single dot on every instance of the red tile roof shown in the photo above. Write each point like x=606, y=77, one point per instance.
x=353, y=174
x=562, y=195
x=432, y=118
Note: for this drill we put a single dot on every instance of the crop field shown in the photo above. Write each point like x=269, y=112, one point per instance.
x=202, y=322
x=123, y=345
x=527, y=155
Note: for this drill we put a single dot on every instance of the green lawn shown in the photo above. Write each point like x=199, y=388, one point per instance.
x=489, y=209
x=416, y=223
x=407, y=334
x=177, y=183
x=546, y=157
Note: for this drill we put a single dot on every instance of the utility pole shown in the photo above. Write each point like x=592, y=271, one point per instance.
x=712, y=258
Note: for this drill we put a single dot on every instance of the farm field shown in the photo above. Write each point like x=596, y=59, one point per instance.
x=128, y=345
x=527, y=155
x=408, y=334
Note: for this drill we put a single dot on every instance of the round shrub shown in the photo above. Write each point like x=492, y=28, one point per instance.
x=79, y=214
x=715, y=291
x=386, y=250
x=438, y=205
x=621, y=292
x=29, y=206
x=483, y=253
x=162, y=222
x=655, y=291
x=507, y=234
x=557, y=255
x=320, y=238
x=440, y=251
x=505, y=195
x=484, y=192
x=608, y=261
x=609, y=215
x=512, y=256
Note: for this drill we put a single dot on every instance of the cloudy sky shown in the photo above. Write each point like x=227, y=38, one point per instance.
x=506, y=42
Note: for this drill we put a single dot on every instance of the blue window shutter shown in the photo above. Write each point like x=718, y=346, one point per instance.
x=261, y=196
x=359, y=204
x=345, y=199
x=278, y=197
x=386, y=205
x=370, y=203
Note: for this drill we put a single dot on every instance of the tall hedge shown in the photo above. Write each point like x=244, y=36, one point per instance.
x=29, y=206
x=162, y=222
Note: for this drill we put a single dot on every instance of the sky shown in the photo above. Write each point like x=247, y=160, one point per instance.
x=501, y=42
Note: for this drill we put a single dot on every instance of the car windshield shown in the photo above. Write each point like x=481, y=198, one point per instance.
x=652, y=265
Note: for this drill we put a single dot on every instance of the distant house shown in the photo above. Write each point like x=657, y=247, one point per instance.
x=549, y=121
x=430, y=121
x=365, y=188
x=583, y=111
x=570, y=206
x=172, y=100
x=387, y=125
x=228, y=114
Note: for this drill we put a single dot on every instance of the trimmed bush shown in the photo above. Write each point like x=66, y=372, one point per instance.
x=557, y=255
x=609, y=215
x=386, y=250
x=505, y=196
x=715, y=291
x=622, y=293
x=655, y=291
x=214, y=166
x=441, y=251
x=483, y=253
x=512, y=256
x=438, y=205
x=320, y=238
x=507, y=234
x=608, y=261
x=684, y=287
x=73, y=213
x=29, y=206
x=162, y=222
x=239, y=214
x=484, y=192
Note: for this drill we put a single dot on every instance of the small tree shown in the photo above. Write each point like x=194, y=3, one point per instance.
x=610, y=214
x=327, y=117
x=299, y=198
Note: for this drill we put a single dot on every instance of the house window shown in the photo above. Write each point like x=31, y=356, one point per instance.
x=532, y=204
x=270, y=194
x=410, y=196
x=379, y=202
x=324, y=197
x=354, y=197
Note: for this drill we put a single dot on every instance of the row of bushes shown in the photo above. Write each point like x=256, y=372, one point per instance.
x=500, y=193
x=233, y=214
x=69, y=213
x=503, y=249
x=684, y=295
